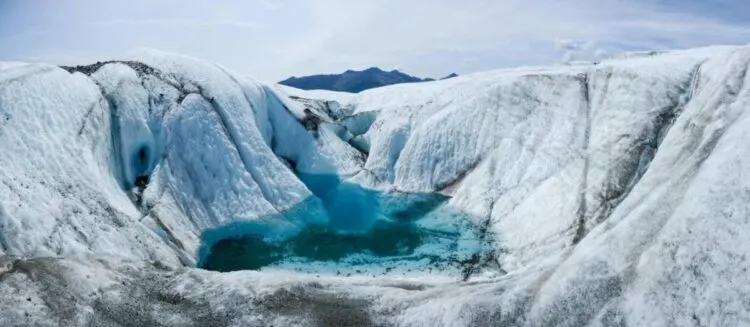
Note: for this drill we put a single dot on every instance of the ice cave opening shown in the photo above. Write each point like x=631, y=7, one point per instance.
x=369, y=233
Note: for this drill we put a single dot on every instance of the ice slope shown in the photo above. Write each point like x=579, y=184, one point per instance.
x=506, y=143
x=614, y=194
x=58, y=196
x=78, y=144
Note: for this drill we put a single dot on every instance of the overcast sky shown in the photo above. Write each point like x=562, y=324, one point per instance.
x=274, y=39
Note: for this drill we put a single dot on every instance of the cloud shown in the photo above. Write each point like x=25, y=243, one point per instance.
x=25, y=35
x=174, y=22
x=579, y=50
x=566, y=45
x=601, y=53
x=271, y=4
x=273, y=39
x=426, y=36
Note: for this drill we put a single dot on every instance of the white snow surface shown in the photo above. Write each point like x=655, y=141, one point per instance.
x=616, y=194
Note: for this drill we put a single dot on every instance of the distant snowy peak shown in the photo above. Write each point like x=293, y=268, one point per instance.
x=354, y=81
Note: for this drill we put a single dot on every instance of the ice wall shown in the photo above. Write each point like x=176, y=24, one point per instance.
x=141, y=158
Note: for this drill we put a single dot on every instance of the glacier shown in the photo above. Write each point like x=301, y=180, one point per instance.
x=163, y=190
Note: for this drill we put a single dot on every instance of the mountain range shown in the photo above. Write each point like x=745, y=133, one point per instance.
x=355, y=81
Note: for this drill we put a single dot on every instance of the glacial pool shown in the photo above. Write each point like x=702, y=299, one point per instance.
x=370, y=233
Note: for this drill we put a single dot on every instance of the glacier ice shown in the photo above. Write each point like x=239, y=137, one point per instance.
x=609, y=194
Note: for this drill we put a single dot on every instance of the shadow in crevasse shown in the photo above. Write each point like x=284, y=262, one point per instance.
x=364, y=227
